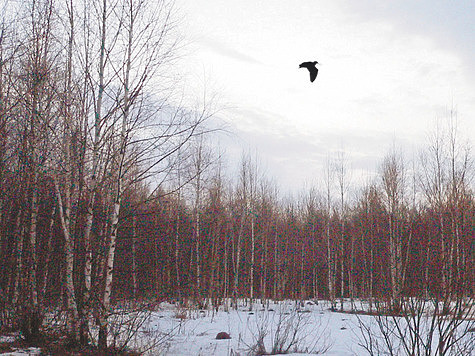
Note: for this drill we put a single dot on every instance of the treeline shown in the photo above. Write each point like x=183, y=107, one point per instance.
x=409, y=232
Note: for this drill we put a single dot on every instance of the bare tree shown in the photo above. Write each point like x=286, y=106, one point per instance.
x=370, y=202
x=433, y=184
x=148, y=42
x=201, y=161
x=36, y=103
x=460, y=160
x=241, y=207
x=341, y=170
x=331, y=254
x=66, y=166
x=393, y=180
x=251, y=205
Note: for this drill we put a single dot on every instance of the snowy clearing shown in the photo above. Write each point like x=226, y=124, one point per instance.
x=287, y=327
x=307, y=328
x=317, y=330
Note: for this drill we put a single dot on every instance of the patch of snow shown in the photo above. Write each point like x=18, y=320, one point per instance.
x=31, y=351
x=7, y=338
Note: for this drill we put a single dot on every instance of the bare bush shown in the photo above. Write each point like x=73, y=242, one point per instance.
x=423, y=327
x=137, y=329
x=288, y=331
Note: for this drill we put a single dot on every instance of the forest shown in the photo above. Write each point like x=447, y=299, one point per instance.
x=111, y=189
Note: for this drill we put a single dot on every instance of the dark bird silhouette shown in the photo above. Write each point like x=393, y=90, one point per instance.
x=311, y=68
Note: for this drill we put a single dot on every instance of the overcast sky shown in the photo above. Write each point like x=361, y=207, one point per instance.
x=389, y=70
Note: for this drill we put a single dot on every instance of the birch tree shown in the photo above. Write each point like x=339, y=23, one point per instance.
x=147, y=137
x=330, y=251
x=36, y=103
x=393, y=180
x=460, y=162
x=66, y=166
x=433, y=182
x=341, y=171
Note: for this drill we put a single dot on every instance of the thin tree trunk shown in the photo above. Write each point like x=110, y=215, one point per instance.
x=395, y=260
x=134, y=257
x=331, y=256
x=226, y=270
x=342, y=264
x=253, y=244
x=20, y=235
x=49, y=250
x=330, y=265
x=197, y=217
x=427, y=266
x=198, y=253
x=364, y=282
x=177, y=248
x=443, y=255
x=33, y=284
x=302, y=275
x=276, y=267
x=119, y=191
x=371, y=264
x=93, y=180
x=405, y=262
x=64, y=214
x=351, y=271
x=315, y=265
x=101, y=256
x=237, y=261
x=264, y=257
x=109, y=268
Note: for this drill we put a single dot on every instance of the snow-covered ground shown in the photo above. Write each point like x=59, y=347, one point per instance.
x=313, y=327
x=307, y=328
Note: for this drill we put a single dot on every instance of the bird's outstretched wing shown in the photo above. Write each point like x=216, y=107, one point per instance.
x=311, y=68
x=313, y=73
x=307, y=65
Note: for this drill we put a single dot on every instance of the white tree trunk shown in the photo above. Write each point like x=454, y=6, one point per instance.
x=253, y=244
x=64, y=210
x=134, y=257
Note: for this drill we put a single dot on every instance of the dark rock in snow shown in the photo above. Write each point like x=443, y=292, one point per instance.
x=223, y=335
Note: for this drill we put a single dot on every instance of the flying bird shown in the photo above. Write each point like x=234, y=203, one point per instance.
x=311, y=68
